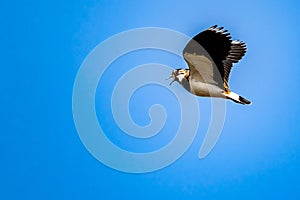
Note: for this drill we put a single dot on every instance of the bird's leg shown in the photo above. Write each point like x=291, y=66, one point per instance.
x=226, y=87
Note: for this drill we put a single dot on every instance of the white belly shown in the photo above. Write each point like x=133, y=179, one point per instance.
x=207, y=90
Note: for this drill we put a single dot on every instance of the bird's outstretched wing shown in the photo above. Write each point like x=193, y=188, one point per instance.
x=237, y=51
x=210, y=55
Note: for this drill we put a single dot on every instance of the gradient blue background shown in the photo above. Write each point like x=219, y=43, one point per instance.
x=42, y=47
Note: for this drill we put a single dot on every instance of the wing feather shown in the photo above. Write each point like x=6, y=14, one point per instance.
x=216, y=45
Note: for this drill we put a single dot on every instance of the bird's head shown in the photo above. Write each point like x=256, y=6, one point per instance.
x=179, y=75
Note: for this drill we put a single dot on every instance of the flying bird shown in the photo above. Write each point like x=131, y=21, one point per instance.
x=210, y=56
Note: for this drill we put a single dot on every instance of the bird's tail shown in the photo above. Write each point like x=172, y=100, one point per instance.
x=237, y=98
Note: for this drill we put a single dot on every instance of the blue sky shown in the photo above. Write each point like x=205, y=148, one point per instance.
x=43, y=46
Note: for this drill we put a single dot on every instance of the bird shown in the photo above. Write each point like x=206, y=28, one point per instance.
x=210, y=56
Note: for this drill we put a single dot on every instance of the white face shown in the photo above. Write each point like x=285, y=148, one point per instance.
x=179, y=75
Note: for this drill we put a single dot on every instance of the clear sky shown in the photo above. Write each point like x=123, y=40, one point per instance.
x=43, y=46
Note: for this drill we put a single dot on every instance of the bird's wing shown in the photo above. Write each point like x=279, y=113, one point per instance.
x=237, y=51
x=219, y=50
x=203, y=69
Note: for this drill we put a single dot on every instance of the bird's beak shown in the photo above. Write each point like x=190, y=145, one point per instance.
x=172, y=76
x=172, y=81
